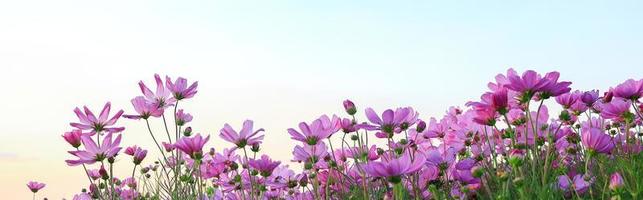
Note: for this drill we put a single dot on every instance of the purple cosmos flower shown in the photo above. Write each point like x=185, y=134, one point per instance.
x=318, y=130
x=180, y=88
x=616, y=181
x=311, y=154
x=244, y=137
x=192, y=146
x=145, y=109
x=88, y=120
x=162, y=96
x=630, y=89
x=617, y=110
x=93, y=153
x=137, y=154
x=553, y=87
x=73, y=137
x=578, y=183
x=265, y=165
x=393, y=168
x=35, y=186
x=485, y=116
x=348, y=126
x=595, y=139
x=182, y=118
x=390, y=121
x=589, y=97
x=82, y=196
x=568, y=99
x=529, y=84
x=168, y=147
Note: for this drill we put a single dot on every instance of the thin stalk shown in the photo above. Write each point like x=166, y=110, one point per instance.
x=252, y=187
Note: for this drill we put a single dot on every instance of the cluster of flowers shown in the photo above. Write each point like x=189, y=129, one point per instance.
x=504, y=146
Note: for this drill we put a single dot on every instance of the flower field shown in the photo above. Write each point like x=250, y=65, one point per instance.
x=509, y=144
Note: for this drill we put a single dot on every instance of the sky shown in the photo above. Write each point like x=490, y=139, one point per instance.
x=280, y=63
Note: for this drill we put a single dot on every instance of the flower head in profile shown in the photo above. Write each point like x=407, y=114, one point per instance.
x=578, y=183
x=137, y=154
x=527, y=85
x=596, y=140
x=553, y=87
x=182, y=117
x=589, y=97
x=316, y=131
x=180, y=89
x=93, y=153
x=568, y=99
x=393, y=168
x=246, y=136
x=35, y=186
x=265, y=165
x=145, y=109
x=192, y=146
x=630, y=89
x=88, y=121
x=618, y=110
x=161, y=97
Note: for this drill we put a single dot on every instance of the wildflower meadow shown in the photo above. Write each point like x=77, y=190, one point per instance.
x=530, y=136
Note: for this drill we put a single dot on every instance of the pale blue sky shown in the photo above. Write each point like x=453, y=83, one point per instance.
x=282, y=62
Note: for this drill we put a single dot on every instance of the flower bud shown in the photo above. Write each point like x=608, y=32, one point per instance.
x=188, y=131
x=349, y=106
x=73, y=138
x=255, y=147
x=103, y=173
x=420, y=126
x=616, y=181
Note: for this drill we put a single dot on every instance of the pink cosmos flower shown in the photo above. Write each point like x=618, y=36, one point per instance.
x=82, y=196
x=595, y=139
x=145, y=109
x=311, y=154
x=182, y=118
x=391, y=120
x=617, y=110
x=568, y=99
x=88, y=120
x=93, y=153
x=553, y=87
x=589, y=97
x=192, y=146
x=485, y=116
x=137, y=154
x=180, y=88
x=616, y=181
x=630, y=89
x=265, y=165
x=530, y=82
x=393, y=168
x=245, y=137
x=73, y=137
x=35, y=186
x=348, y=126
x=578, y=183
x=93, y=173
x=318, y=130
x=168, y=147
x=162, y=96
